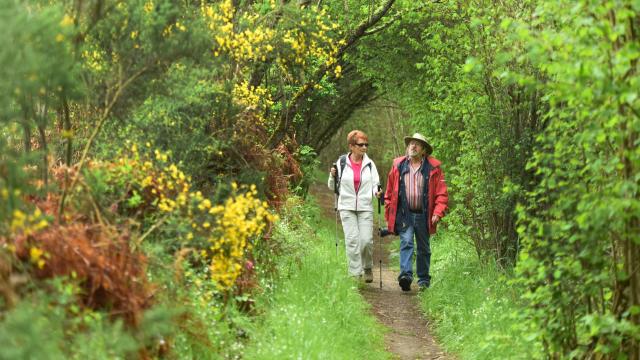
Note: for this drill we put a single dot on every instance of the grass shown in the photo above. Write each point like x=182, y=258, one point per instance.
x=314, y=310
x=473, y=308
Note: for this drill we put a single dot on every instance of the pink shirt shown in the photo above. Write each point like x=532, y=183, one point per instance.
x=356, y=173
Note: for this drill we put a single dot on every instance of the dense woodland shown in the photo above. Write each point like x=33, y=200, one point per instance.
x=148, y=149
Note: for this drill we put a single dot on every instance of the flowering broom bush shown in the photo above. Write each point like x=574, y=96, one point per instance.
x=147, y=185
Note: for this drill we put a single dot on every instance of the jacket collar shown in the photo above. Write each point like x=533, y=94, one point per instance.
x=434, y=162
x=365, y=160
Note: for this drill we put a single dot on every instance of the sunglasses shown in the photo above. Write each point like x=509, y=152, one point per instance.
x=361, y=145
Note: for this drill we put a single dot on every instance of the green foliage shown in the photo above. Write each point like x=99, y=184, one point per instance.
x=12, y=183
x=37, y=64
x=481, y=125
x=579, y=225
x=37, y=68
x=308, y=159
x=205, y=326
x=176, y=117
x=51, y=325
x=27, y=333
x=379, y=120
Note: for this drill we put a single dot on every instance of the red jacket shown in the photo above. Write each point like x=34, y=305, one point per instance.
x=437, y=189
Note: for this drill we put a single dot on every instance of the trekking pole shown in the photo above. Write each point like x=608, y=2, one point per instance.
x=335, y=203
x=380, y=235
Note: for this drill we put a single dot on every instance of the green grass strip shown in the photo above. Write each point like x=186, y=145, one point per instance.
x=315, y=310
x=473, y=307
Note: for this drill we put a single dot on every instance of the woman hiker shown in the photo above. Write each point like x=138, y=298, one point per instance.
x=356, y=180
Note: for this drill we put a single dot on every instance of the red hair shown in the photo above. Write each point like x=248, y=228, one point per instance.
x=354, y=135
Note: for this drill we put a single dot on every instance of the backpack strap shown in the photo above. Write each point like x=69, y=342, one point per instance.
x=343, y=163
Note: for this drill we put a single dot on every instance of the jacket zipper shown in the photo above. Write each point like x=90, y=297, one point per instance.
x=358, y=190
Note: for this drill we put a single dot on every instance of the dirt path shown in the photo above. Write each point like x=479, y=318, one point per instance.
x=409, y=337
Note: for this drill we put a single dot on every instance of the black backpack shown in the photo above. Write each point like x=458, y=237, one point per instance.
x=343, y=162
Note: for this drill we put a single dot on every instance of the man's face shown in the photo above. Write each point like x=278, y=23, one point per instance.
x=415, y=149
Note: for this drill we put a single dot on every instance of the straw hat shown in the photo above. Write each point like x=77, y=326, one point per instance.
x=422, y=139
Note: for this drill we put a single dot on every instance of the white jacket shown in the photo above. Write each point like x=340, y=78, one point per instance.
x=369, y=182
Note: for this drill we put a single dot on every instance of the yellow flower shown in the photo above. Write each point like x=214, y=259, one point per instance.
x=35, y=254
x=148, y=6
x=205, y=204
x=147, y=181
x=66, y=21
x=11, y=248
x=42, y=224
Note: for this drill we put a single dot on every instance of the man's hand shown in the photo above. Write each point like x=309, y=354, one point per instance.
x=379, y=194
x=434, y=219
x=333, y=171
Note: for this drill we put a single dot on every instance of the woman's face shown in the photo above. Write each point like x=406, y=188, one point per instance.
x=360, y=147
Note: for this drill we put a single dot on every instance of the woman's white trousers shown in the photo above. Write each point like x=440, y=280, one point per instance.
x=358, y=238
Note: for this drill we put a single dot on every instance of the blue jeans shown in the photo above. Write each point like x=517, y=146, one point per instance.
x=417, y=225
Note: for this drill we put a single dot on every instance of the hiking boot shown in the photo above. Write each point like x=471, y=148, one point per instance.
x=368, y=275
x=405, y=283
x=423, y=287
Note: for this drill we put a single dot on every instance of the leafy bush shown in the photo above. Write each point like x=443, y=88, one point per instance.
x=48, y=323
x=579, y=225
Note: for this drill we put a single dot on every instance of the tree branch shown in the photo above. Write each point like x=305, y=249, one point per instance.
x=395, y=18
x=283, y=125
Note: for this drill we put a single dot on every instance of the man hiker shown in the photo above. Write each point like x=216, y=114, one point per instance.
x=415, y=201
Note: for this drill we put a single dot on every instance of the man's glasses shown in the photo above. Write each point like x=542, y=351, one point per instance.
x=363, y=144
